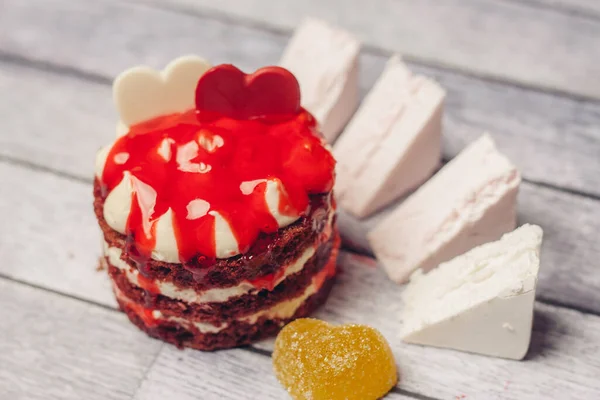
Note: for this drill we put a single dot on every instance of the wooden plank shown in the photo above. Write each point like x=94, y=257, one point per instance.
x=236, y=374
x=64, y=126
x=107, y=37
x=49, y=235
x=484, y=37
x=529, y=126
x=562, y=361
x=53, y=347
x=570, y=244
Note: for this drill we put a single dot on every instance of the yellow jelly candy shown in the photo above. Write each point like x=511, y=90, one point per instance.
x=318, y=361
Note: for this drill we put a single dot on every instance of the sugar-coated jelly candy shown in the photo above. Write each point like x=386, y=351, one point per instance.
x=318, y=361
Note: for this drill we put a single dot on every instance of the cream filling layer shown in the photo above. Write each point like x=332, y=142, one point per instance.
x=216, y=295
x=283, y=310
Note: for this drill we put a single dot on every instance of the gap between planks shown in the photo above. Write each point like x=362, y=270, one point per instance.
x=90, y=77
x=561, y=7
x=263, y=26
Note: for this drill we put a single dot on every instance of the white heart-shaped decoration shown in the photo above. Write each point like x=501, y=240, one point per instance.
x=142, y=93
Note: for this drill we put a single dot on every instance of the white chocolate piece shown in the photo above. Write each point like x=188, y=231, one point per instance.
x=142, y=93
x=392, y=144
x=325, y=62
x=471, y=201
x=481, y=301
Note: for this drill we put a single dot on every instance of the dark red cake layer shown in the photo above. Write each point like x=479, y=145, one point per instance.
x=236, y=334
x=236, y=307
x=268, y=254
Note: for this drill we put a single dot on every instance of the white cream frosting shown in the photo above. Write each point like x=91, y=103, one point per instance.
x=273, y=193
x=216, y=295
x=226, y=244
x=165, y=247
x=117, y=207
x=118, y=204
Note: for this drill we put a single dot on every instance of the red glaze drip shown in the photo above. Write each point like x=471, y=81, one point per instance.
x=150, y=286
x=330, y=268
x=237, y=151
x=145, y=314
x=268, y=281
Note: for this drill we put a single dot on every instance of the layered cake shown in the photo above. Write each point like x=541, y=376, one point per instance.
x=215, y=202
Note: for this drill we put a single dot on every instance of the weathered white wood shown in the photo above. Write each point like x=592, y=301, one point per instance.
x=53, y=120
x=231, y=374
x=107, y=37
x=52, y=347
x=570, y=244
x=60, y=348
x=482, y=36
x=563, y=360
x=530, y=127
x=49, y=235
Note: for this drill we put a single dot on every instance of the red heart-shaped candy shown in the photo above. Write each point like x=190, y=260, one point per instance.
x=270, y=91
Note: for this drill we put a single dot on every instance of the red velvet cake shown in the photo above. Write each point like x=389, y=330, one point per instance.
x=215, y=202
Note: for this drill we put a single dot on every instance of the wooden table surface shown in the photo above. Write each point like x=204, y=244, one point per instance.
x=527, y=71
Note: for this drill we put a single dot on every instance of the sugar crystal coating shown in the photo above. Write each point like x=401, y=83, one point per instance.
x=318, y=361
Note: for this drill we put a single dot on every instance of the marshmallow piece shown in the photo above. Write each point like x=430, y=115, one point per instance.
x=392, y=144
x=325, y=62
x=142, y=93
x=471, y=201
x=481, y=301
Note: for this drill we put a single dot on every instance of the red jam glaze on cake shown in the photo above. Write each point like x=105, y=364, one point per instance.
x=203, y=156
x=317, y=282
